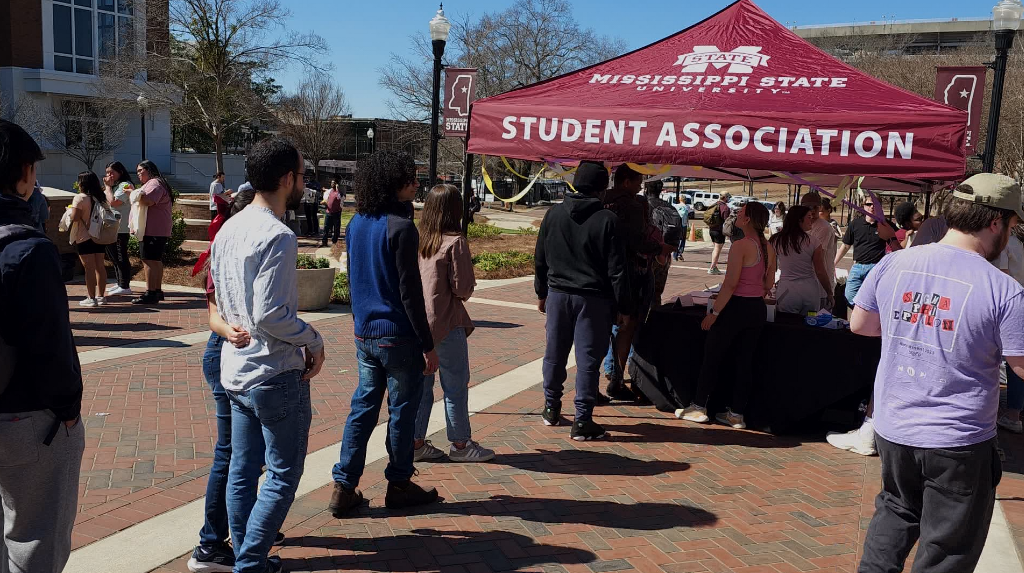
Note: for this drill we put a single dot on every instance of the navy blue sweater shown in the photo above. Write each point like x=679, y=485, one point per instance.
x=384, y=278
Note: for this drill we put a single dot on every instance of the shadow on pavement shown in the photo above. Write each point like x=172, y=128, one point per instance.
x=125, y=327
x=680, y=432
x=588, y=463
x=492, y=324
x=428, y=549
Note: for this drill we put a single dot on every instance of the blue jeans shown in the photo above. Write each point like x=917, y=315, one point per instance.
x=1014, y=390
x=857, y=274
x=276, y=413
x=585, y=321
x=682, y=245
x=609, y=359
x=395, y=365
x=453, y=352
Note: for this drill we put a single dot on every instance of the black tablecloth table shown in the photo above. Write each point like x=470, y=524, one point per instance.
x=801, y=372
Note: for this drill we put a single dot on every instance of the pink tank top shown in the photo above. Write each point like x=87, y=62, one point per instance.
x=751, y=282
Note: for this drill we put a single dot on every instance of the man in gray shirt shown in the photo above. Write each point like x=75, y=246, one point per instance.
x=253, y=268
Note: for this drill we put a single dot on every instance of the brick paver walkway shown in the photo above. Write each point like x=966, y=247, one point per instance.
x=660, y=495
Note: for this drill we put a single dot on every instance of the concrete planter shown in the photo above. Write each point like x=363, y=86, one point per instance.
x=315, y=287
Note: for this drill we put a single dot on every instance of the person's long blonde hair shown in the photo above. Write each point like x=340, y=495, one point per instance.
x=442, y=215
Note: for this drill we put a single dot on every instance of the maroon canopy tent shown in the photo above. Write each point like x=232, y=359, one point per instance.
x=736, y=96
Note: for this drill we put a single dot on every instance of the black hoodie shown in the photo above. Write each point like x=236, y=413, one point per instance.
x=34, y=321
x=580, y=252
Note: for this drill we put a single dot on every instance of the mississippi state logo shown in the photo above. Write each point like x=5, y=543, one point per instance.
x=741, y=60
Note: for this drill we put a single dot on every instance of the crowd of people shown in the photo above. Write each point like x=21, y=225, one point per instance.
x=948, y=319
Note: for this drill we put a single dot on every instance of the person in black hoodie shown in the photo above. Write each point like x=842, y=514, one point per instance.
x=581, y=283
x=41, y=434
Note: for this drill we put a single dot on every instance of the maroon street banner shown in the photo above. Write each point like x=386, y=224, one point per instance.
x=964, y=89
x=459, y=89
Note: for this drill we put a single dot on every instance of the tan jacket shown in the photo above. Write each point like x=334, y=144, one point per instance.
x=448, y=282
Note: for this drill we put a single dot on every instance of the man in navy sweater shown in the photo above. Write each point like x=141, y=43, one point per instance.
x=581, y=284
x=393, y=342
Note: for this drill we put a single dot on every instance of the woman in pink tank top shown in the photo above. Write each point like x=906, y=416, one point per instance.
x=735, y=322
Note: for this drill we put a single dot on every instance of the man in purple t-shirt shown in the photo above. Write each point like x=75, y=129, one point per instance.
x=946, y=317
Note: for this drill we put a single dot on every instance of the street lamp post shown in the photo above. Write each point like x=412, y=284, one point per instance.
x=143, y=104
x=1005, y=21
x=369, y=135
x=439, y=26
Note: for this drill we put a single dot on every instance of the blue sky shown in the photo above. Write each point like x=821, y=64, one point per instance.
x=362, y=34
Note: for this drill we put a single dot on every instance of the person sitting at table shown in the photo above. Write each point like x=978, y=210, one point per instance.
x=736, y=319
x=804, y=285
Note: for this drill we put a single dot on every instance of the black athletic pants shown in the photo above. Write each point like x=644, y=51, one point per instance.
x=730, y=343
x=117, y=252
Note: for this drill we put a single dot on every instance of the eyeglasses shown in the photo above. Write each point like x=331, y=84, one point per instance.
x=869, y=204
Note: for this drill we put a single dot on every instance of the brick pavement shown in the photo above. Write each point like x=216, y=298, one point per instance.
x=659, y=496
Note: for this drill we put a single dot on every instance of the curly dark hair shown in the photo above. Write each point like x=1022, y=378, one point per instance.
x=379, y=178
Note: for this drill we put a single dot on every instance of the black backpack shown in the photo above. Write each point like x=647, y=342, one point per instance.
x=9, y=234
x=668, y=221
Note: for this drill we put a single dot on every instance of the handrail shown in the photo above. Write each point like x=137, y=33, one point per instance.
x=189, y=163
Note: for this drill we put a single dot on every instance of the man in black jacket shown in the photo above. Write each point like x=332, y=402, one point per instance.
x=581, y=283
x=41, y=434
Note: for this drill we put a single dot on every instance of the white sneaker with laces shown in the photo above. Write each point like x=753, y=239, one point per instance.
x=693, y=413
x=101, y=300
x=1010, y=425
x=427, y=452
x=88, y=303
x=473, y=452
x=856, y=441
x=118, y=291
x=730, y=419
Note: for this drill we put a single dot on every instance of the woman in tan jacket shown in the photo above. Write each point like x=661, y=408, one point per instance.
x=446, y=269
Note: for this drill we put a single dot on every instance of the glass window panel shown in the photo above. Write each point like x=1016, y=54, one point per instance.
x=83, y=65
x=83, y=33
x=62, y=29
x=86, y=3
x=105, y=5
x=63, y=1
x=125, y=32
x=62, y=64
x=125, y=7
x=105, y=27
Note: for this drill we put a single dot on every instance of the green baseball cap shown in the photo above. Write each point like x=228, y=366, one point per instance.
x=993, y=190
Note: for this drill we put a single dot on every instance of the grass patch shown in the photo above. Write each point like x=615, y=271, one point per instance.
x=489, y=262
x=480, y=231
x=341, y=294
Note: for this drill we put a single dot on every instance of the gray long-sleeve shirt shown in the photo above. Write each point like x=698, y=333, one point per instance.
x=253, y=267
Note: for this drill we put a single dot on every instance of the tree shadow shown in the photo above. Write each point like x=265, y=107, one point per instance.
x=431, y=550
x=121, y=327
x=642, y=516
x=493, y=324
x=687, y=433
x=588, y=463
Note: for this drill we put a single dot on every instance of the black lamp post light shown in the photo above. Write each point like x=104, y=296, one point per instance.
x=143, y=104
x=439, y=27
x=1006, y=17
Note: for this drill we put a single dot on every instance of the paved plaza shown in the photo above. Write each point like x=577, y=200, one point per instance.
x=659, y=496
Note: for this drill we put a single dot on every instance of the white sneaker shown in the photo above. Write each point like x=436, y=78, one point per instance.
x=855, y=441
x=693, y=413
x=730, y=419
x=473, y=452
x=1010, y=425
x=427, y=452
x=118, y=291
x=88, y=303
x=101, y=300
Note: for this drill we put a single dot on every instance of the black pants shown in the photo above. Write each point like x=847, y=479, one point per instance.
x=730, y=343
x=944, y=498
x=585, y=321
x=117, y=252
x=332, y=224
x=312, y=219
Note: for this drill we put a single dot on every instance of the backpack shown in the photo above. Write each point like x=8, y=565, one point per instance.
x=667, y=219
x=713, y=216
x=9, y=234
x=104, y=223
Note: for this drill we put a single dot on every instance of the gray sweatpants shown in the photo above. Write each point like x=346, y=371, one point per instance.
x=38, y=492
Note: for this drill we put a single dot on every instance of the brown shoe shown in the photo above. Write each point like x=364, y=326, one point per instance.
x=343, y=500
x=407, y=494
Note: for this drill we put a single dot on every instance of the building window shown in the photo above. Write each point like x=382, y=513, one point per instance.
x=83, y=124
x=86, y=32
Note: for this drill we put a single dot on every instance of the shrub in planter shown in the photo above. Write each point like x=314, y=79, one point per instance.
x=316, y=282
x=341, y=294
x=488, y=262
x=173, y=249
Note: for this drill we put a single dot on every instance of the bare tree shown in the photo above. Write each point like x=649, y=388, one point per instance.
x=531, y=41
x=218, y=50
x=309, y=117
x=87, y=130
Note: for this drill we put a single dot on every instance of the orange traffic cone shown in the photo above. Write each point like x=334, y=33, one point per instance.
x=693, y=233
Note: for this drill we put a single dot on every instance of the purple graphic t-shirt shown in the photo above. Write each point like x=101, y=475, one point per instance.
x=948, y=317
